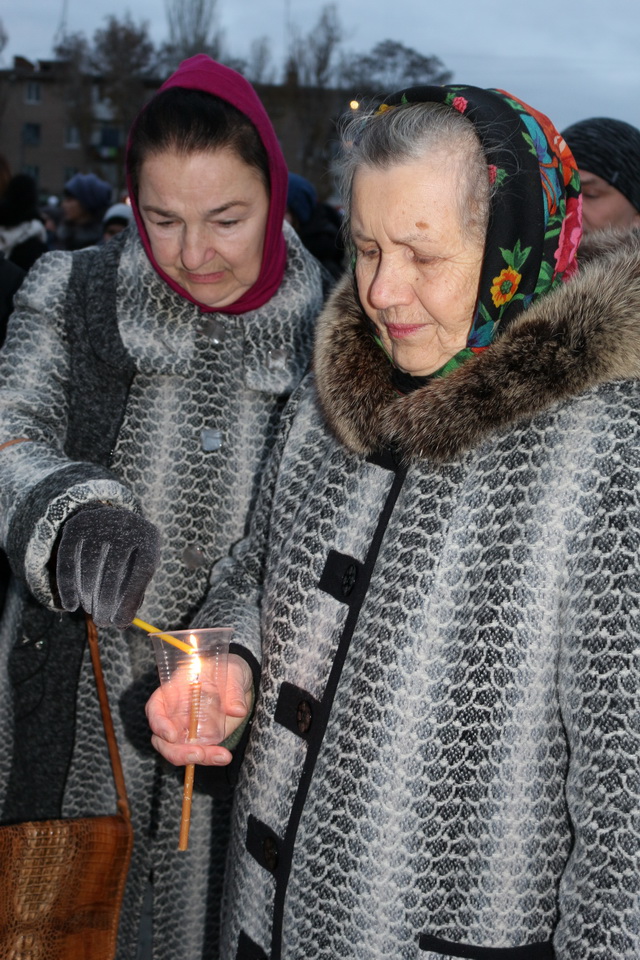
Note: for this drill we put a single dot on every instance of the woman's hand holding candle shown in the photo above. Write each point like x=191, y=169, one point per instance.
x=169, y=740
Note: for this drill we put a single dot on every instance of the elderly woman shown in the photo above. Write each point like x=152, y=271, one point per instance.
x=439, y=602
x=141, y=385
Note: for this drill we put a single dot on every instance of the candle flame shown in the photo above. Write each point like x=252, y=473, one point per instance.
x=196, y=665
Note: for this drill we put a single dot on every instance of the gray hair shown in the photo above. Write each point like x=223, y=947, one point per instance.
x=411, y=132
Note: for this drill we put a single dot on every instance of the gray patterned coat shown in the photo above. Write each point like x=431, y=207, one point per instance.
x=128, y=395
x=444, y=759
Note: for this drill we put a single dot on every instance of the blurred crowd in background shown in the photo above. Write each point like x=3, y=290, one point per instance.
x=87, y=213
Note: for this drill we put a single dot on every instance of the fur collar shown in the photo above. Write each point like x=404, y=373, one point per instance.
x=581, y=335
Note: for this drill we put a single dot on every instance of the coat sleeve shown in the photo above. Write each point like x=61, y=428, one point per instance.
x=39, y=485
x=235, y=591
x=599, y=689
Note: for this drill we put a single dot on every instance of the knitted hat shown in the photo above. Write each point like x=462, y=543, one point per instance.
x=301, y=198
x=609, y=149
x=119, y=211
x=93, y=193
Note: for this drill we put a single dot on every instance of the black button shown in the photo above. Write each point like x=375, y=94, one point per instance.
x=340, y=574
x=304, y=716
x=270, y=853
x=349, y=578
x=262, y=843
x=296, y=709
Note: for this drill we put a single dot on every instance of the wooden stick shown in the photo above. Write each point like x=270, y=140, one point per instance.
x=189, y=770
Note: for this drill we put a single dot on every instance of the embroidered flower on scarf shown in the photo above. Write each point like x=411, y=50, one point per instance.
x=453, y=99
x=567, y=161
x=570, y=234
x=505, y=285
x=496, y=174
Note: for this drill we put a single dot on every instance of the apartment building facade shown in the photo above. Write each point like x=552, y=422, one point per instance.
x=53, y=125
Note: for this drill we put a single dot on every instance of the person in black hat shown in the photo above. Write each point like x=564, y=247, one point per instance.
x=84, y=203
x=607, y=153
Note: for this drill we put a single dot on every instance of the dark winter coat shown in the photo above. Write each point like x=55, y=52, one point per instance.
x=441, y=600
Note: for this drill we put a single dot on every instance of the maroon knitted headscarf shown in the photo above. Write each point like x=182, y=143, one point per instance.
x=203, y=73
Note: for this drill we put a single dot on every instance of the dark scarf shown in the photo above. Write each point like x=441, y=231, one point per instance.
x=536, y=211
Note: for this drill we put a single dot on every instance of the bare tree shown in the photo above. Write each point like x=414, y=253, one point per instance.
x=4, y=88
x=259, y=66
x=104, y=87
x=4, y=37
x=312, y=94
x=124, y=60
x=73, y=53
x=313, y=58
x=389, y=67
x=123, y=56
x=193, y=28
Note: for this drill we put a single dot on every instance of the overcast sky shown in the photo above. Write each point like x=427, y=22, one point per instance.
x=570, y=59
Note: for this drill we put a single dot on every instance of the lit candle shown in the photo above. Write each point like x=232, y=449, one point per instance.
x=189, y=771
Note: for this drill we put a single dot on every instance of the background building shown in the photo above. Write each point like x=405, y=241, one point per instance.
x=56, y=120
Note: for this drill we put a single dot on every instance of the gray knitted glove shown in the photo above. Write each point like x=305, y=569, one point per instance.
x=106, y=558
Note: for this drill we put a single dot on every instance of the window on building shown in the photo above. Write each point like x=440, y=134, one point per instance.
x=72, y=137
x=109, y=141
x=110, y=137
x=34, y=93
x=31, y=134
x=32, y=170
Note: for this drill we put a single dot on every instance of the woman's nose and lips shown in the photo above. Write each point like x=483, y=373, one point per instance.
x=205, y=215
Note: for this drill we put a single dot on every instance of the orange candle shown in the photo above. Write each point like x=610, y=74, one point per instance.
x=189, y=770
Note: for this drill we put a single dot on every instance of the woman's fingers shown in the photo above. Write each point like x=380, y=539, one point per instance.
x=159, y=722
x=180, y=754
x=238, y=691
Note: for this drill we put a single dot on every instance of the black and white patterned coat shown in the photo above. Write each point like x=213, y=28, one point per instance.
x=128, y=395
x=444, y=759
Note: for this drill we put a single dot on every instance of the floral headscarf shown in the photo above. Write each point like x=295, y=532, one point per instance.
x=535, y=223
